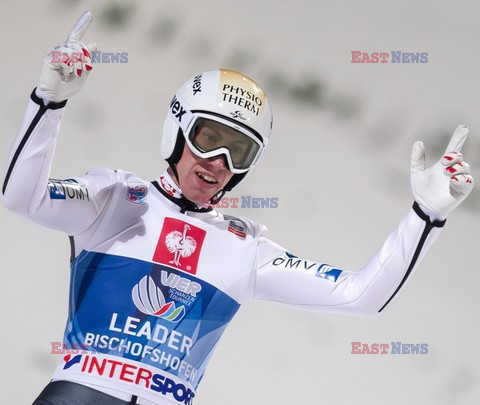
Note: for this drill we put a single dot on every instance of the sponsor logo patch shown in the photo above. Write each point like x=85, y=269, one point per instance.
x=241, y=95
x=168, y=187
x=328, y=272
x=290, y=261
x=197, y=84
x=237, y=228
x=179, y=245
x=70, y=361
x=238, y=114
x=137, y=194
x=69, y=188
x=138, y=374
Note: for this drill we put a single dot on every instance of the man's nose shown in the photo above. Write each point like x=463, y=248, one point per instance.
x=219, y=161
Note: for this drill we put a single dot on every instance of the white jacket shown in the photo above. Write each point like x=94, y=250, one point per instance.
x=153, y=285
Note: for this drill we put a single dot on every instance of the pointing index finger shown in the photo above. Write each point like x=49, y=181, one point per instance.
x=458, y=139
x=80, y=26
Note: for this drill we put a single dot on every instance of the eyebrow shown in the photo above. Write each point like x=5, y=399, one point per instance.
x=228, y=134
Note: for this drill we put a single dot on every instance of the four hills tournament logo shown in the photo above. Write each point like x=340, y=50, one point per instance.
x=149, y=299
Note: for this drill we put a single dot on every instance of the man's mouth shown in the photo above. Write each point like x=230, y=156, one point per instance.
x=206, y=178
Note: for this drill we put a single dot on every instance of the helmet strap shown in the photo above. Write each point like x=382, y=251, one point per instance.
x=177, y=154
x=236, y=178
x=217, y=197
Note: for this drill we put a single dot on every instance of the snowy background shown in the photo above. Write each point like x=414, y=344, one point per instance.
x=338, y=162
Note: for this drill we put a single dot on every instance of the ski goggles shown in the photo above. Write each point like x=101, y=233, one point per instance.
x=209, y=136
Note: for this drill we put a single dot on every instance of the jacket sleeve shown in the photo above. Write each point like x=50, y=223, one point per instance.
x=315, y=286
x=71, y=205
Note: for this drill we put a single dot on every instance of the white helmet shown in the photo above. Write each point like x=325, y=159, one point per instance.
x=229, y=99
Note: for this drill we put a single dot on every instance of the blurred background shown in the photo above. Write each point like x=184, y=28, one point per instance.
x=338, y=162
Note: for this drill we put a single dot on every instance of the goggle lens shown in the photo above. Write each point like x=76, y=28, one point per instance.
x=208, y=135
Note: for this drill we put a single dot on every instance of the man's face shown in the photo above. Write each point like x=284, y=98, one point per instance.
x=200, y=179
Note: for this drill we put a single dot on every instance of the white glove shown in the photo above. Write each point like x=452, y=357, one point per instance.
x=65, y=69
x=441, y=188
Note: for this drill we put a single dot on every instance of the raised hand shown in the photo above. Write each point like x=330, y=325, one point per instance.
x=441, y=188
x=65, y=69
